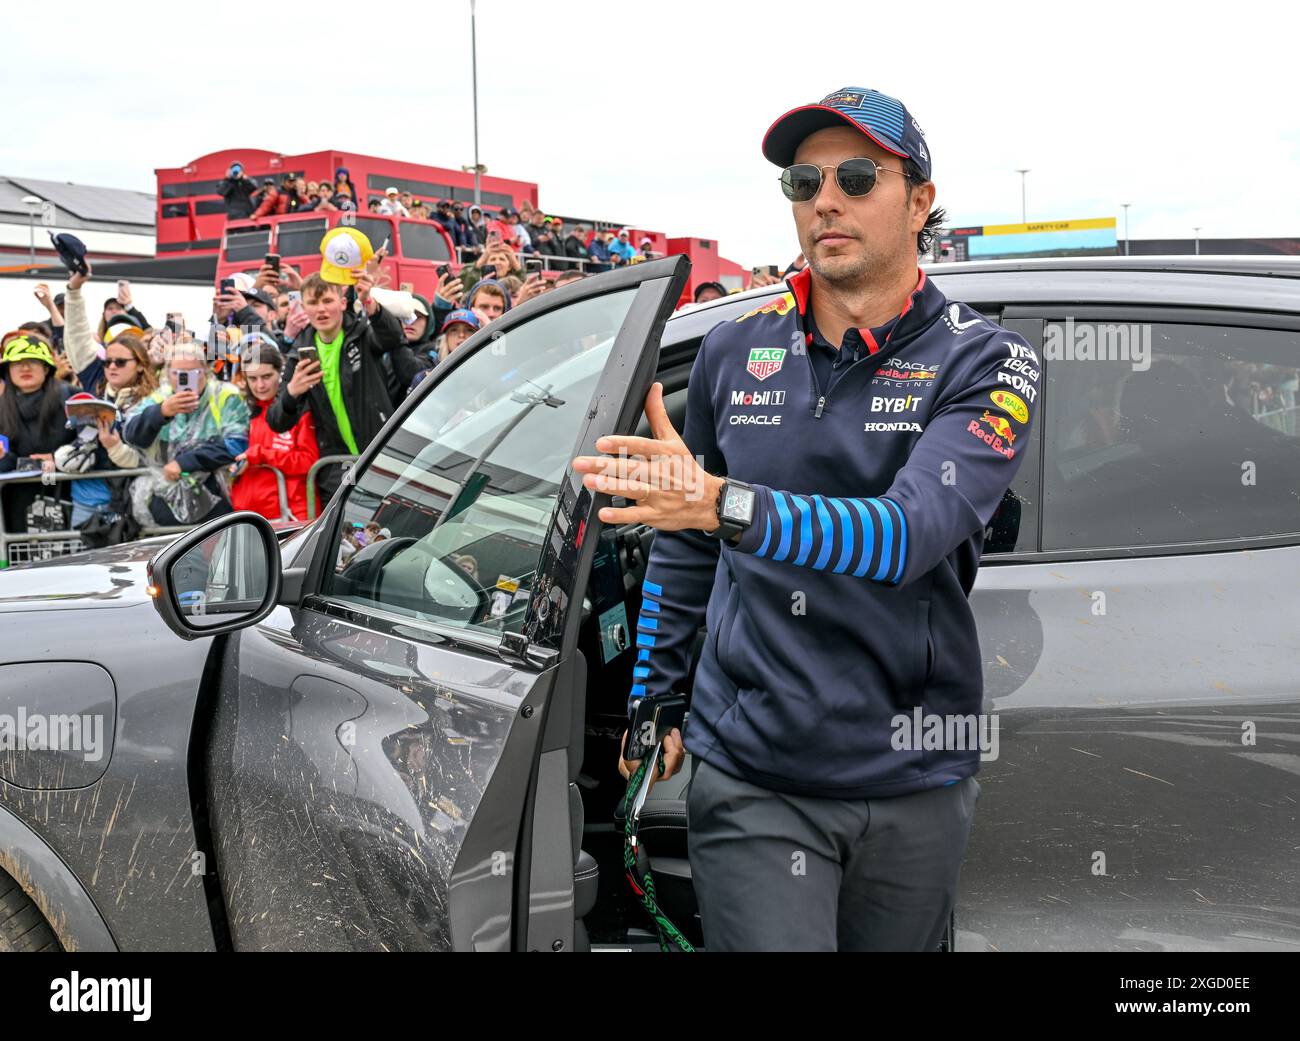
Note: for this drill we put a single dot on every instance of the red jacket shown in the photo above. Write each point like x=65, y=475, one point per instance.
x=291, y=453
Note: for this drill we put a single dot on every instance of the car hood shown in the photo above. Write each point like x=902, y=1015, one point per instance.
x=111, y=577
x=116, y=576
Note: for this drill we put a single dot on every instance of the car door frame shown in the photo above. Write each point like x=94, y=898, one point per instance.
x=544, y=745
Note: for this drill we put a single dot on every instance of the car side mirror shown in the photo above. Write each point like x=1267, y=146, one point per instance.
x=221, y=576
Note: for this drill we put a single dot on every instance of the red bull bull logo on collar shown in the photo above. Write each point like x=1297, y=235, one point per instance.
x=781, y=305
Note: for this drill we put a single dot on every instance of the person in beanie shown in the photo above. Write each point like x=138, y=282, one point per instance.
x=488, y=299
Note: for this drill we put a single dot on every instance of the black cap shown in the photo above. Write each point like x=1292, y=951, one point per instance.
x=721, y=289
x=72, y=251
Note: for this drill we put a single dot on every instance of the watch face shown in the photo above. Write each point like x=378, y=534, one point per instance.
x=738, y=505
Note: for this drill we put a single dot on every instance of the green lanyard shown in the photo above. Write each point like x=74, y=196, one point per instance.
x=639, y=877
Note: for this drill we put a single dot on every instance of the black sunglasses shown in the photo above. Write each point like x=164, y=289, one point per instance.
x=118, y=362
x=856, y=177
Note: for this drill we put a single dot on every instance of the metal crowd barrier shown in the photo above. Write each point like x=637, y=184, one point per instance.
x=325, y=460
x=68, y=540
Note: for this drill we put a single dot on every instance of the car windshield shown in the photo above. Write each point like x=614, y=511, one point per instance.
x=449, y=520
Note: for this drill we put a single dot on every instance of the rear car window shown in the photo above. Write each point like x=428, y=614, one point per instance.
x=423, y=242
x=1189, y=435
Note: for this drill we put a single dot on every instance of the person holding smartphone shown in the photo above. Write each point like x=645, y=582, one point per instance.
x=196, y=426
x=335, y=369
x=238, y=191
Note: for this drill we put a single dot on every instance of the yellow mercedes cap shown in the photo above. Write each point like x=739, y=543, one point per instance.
x=342, y=250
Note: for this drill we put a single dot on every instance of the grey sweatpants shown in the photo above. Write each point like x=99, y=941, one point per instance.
x=776, y=872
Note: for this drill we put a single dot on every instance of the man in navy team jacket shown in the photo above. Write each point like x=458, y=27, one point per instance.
x=845, y=448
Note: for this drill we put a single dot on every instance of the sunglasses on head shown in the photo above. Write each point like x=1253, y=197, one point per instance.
x=856, y=178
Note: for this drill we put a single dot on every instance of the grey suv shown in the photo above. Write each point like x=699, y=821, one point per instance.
x=324, y=742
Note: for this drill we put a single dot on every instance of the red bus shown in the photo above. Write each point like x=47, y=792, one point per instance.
x=416, y=248
x=191, y=219
x=192, y=216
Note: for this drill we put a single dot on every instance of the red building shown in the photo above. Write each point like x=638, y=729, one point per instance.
x=191, y=215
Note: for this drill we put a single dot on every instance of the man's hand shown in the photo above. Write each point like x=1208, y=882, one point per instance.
x=671, y=490
x=290, y=278
x=534, y=286
x=124, y=294
x=267, y=278
x=43, y=297
x=673, y=755
x=227, y=303
x=172, y=471
x=306, y=374
x=76, y=280
x=450, y=289
x=181, y=401
x=297, y=321
x=365, y=282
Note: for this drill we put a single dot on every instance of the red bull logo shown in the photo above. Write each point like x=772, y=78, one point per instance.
x=781, y=305
x=1001, y=426
x=995, y=439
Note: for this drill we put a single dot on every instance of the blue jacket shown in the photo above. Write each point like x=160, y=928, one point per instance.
x=843, y=607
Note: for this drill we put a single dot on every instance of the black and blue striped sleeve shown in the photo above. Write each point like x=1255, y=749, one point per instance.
x=863, y=537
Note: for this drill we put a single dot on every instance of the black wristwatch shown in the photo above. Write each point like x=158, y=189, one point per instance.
x=735, y=509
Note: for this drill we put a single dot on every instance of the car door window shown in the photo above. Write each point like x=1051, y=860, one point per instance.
x=1196, y=441
x=447, y=522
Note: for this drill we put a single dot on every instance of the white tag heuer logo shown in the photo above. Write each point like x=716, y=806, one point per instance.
x=765, y=361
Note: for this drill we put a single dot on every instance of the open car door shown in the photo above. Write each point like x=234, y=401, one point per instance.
x=392, y=745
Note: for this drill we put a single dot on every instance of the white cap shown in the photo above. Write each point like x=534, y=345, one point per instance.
x=391, y=191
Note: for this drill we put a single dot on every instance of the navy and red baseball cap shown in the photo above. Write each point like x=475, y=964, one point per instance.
x=883, y=119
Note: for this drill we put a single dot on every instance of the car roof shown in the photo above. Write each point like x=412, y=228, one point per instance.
x=1233, y=282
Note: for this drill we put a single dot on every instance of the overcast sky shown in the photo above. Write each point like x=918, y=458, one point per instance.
x=653, y=112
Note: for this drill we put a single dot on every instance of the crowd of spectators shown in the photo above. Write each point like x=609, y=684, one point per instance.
x=238, y=415
x=210, y=417
x=527, y=230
